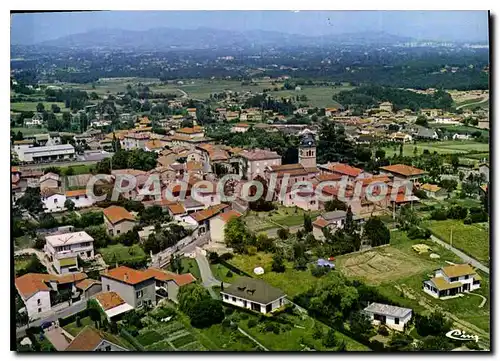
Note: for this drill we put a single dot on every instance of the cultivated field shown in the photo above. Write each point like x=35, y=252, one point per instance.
x=281, y=217
x=473, y=239
x=31, y=106
x=441, y=147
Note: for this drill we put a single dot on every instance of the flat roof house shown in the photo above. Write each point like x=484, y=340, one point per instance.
x=118, y=220
x=392, y=316
x=47, y=153
x=63, y=250
x=452, y=280
x=253, y=294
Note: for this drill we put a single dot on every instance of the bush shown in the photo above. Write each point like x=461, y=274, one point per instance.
x=228, y=311
x=283, y=233
x=226, y=322
x=319, y=271
x=457, y=212
x=226, y=256
x=251, y=323
x=418, y=233
x=439, y=214
x=251, y=250
x=229, y=273
x=382, y=330
x=244, y=316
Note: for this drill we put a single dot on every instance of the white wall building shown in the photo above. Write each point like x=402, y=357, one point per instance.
x=53, y=200
x=80, y=198
x=253, y=294
x=47, y=153
x=452, y=280
x=391, y=316
x=63, y=250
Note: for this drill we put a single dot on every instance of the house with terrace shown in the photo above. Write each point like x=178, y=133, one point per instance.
x=253, y=294
x=118, y=220
x=63, y=250
x=37, y=290
x=452, y=280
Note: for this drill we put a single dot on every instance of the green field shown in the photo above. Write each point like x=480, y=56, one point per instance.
x=118, y=253
x=300, y=331
x=31, y=106
x=398, y=272
x=29, y=131
x=472, y=239
x=282, y=216
x=77, y=169
x=441, y=147
x=286, y=281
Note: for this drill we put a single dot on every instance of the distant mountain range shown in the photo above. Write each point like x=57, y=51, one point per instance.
x=203, y=38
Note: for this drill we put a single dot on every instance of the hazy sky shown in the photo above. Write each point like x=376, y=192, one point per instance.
x=426, y=25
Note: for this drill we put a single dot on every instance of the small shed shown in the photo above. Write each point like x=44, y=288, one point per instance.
x=392, y=316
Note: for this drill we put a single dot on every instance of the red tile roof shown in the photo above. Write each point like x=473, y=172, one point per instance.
x=229, y=214
x=117, y=214
x=180, y=279
x=77, y=192
x=31, y=283
x=346, y=169
x=403, y=169
x=208, y=213
x=109, y=300
x=127, y=275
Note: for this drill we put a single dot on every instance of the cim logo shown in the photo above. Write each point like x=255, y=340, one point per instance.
x=461, y=336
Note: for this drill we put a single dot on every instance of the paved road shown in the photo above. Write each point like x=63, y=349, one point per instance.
x=463, y=256
x=68, y=311
x=483, y=100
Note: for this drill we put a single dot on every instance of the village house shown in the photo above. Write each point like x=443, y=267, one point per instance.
x=254, y=162
x=135, y=287
x=49, y=180
x=452, y=280
x=168, y=283
x=63, y=250
x=458, y=136
x=191, y=112
x=218, y=225
x=80, y=198
x=190, y=133
x=118, y=220
x=330, y=111
x=88, y=287
x=53, y=200
x=434, y=191
x=112, y=304
x=393, y=317
x=484, y=169
x=135, y=141
x=253, y=294
x=201, y=219
x=21, y=145
x=331, y=220
x=240, y=127
x=35, y=290
x=401, y=137
x=341, y=169
x=154, y=145
x=385, y=107
x=92, y=339
x=403, y=172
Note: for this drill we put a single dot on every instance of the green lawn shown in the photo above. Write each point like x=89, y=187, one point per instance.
x=398, y=272
x=441, y=147
x=118, y=253
x=30, y=131
x=21, y=262
x=299, y=331
x=189, y=265
x=220, y=272
x=31, y=106
x=77, y=169
x=23, y=242
x=227, y=339
x=292, y=281
x=74, y=330
x=282, y=216
x=472, y=239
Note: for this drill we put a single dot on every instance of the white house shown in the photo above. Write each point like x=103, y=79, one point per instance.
x=253, y=294
x=52, y=199
x=391, y=316
x=63, y=250
x=80, y=198
x=47, y=153
x=452, y=280
x=457, y=136
x=35, y=289
x=240, y=127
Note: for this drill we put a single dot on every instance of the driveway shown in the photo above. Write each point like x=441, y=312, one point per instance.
x=466, y=258
x=59, y=338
